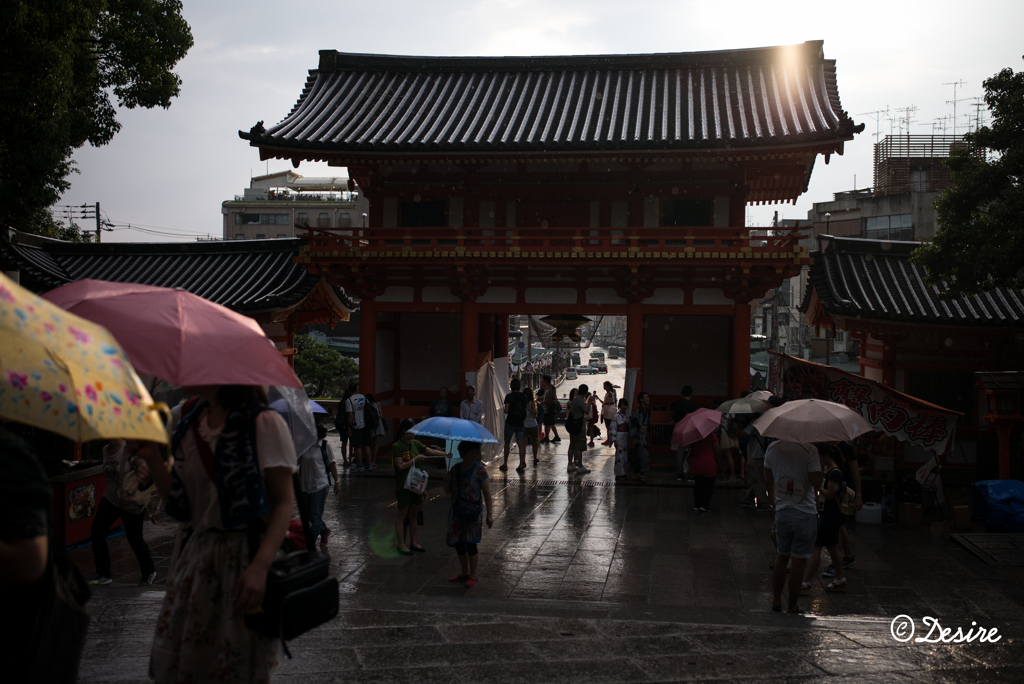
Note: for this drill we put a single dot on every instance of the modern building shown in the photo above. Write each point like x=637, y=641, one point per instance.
x=909, y=175
x=274, y=205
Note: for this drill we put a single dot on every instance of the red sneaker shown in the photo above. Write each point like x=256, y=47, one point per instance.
x=471, y=582
x=457, y=578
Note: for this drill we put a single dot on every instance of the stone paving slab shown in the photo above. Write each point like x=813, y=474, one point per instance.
x=600, y=583
x=488, y=641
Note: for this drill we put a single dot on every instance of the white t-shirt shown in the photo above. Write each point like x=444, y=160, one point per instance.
x=274, y=449
x=355, y=405
x=791, y=464
x=312, y=471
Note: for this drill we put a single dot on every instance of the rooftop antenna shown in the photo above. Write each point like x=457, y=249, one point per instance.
x=978, y=113
x=877, y=115
x=908, y=113
x=941, y=123
x=955, y=84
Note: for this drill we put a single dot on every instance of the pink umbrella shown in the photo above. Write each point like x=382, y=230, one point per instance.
x=696, y=426
x=178, y=336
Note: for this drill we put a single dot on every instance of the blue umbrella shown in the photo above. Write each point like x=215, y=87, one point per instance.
x=453, y=431
x=317, y=408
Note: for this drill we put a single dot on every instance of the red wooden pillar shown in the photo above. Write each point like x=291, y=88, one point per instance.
x=635, y=347
x=740, y=376
x=367, y=346
x=500, y=335
x=470, y=342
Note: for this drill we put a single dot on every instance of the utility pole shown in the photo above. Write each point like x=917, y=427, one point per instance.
x=99, y=227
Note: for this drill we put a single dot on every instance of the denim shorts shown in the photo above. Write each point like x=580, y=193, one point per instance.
x=795, y=532
x=509, y=430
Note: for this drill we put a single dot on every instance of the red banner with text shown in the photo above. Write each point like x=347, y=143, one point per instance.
x=904, y=417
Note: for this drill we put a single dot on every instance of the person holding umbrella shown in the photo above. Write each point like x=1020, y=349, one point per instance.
x=405, y=453
x=792, y=473
x=233, y=465
x=697, y=431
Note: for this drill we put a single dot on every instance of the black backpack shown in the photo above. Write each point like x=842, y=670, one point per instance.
x=372, y=417
x=516, y=409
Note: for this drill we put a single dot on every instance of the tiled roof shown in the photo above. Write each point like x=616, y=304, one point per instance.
x=243, y=275
x=690, y=100
x=875, y=280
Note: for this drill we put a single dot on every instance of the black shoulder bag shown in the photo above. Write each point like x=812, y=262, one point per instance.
x=301, y=594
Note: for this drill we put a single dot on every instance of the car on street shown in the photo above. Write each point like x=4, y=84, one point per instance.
x=586, y=370
x=601, y=368
x=570, y=374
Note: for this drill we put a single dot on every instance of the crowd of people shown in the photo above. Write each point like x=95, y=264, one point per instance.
x=219, y=487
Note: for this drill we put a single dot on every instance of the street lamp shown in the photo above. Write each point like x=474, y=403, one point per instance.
x=364, y=220
x=828, y=217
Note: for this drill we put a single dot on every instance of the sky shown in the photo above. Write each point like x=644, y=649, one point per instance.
x=167, y=171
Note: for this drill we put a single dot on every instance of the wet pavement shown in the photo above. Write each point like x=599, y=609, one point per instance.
x=585, y=580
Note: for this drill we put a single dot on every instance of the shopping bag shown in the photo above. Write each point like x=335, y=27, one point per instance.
x=416, y=480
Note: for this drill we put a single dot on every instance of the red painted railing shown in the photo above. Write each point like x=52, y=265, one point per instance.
x=614, y=241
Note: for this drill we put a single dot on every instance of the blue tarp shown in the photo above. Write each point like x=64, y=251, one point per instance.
x=1000, y=503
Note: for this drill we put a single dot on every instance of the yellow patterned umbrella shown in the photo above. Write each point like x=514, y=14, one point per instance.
x=62, y=373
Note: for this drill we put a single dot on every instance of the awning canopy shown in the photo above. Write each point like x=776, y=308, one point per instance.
x=902, y=416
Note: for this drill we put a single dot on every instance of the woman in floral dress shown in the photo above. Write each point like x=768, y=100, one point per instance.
x=467, y=482
x=233, y=465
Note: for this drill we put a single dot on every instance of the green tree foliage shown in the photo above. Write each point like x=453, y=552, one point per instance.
x=60, y=62
x=980, y=245
x=324, y=371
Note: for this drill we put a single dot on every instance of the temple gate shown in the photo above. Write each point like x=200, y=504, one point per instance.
x=600, y=184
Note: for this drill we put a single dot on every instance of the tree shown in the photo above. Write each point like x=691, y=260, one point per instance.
x=60, y=62
x=323, y=371
x=980, y=244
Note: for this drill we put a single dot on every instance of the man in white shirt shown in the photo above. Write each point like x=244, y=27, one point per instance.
x=792, y=476
x=314, y=483
x=357, y=432
x=472, y=408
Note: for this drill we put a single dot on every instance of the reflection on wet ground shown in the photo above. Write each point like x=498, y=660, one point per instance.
x=607, y=583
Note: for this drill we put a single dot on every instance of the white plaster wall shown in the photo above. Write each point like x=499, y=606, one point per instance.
x=396, y=293
x=652, y=212
x=390, y=212
x=552, y=295
x=710, y=297
x=666, y=295
x=607, y=295
x=498, y=295
x=439, y=294
x=721, y=216
x=385, y=371
x=455, y=212
x=687, y=350
x=431, y=350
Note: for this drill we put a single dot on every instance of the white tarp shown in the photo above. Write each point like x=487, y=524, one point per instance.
x=491, y=383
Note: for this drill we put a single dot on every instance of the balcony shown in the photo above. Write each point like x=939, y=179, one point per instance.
x=345, y=197
x=617, y=244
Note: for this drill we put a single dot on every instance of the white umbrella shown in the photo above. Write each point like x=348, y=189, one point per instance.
x=744, y=405
x=294, y=406
x=762, y=395
x=812, y=420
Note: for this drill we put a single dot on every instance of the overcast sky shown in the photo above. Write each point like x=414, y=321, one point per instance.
x=169, y=170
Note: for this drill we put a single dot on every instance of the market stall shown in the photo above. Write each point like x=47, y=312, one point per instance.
x=911, y=433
